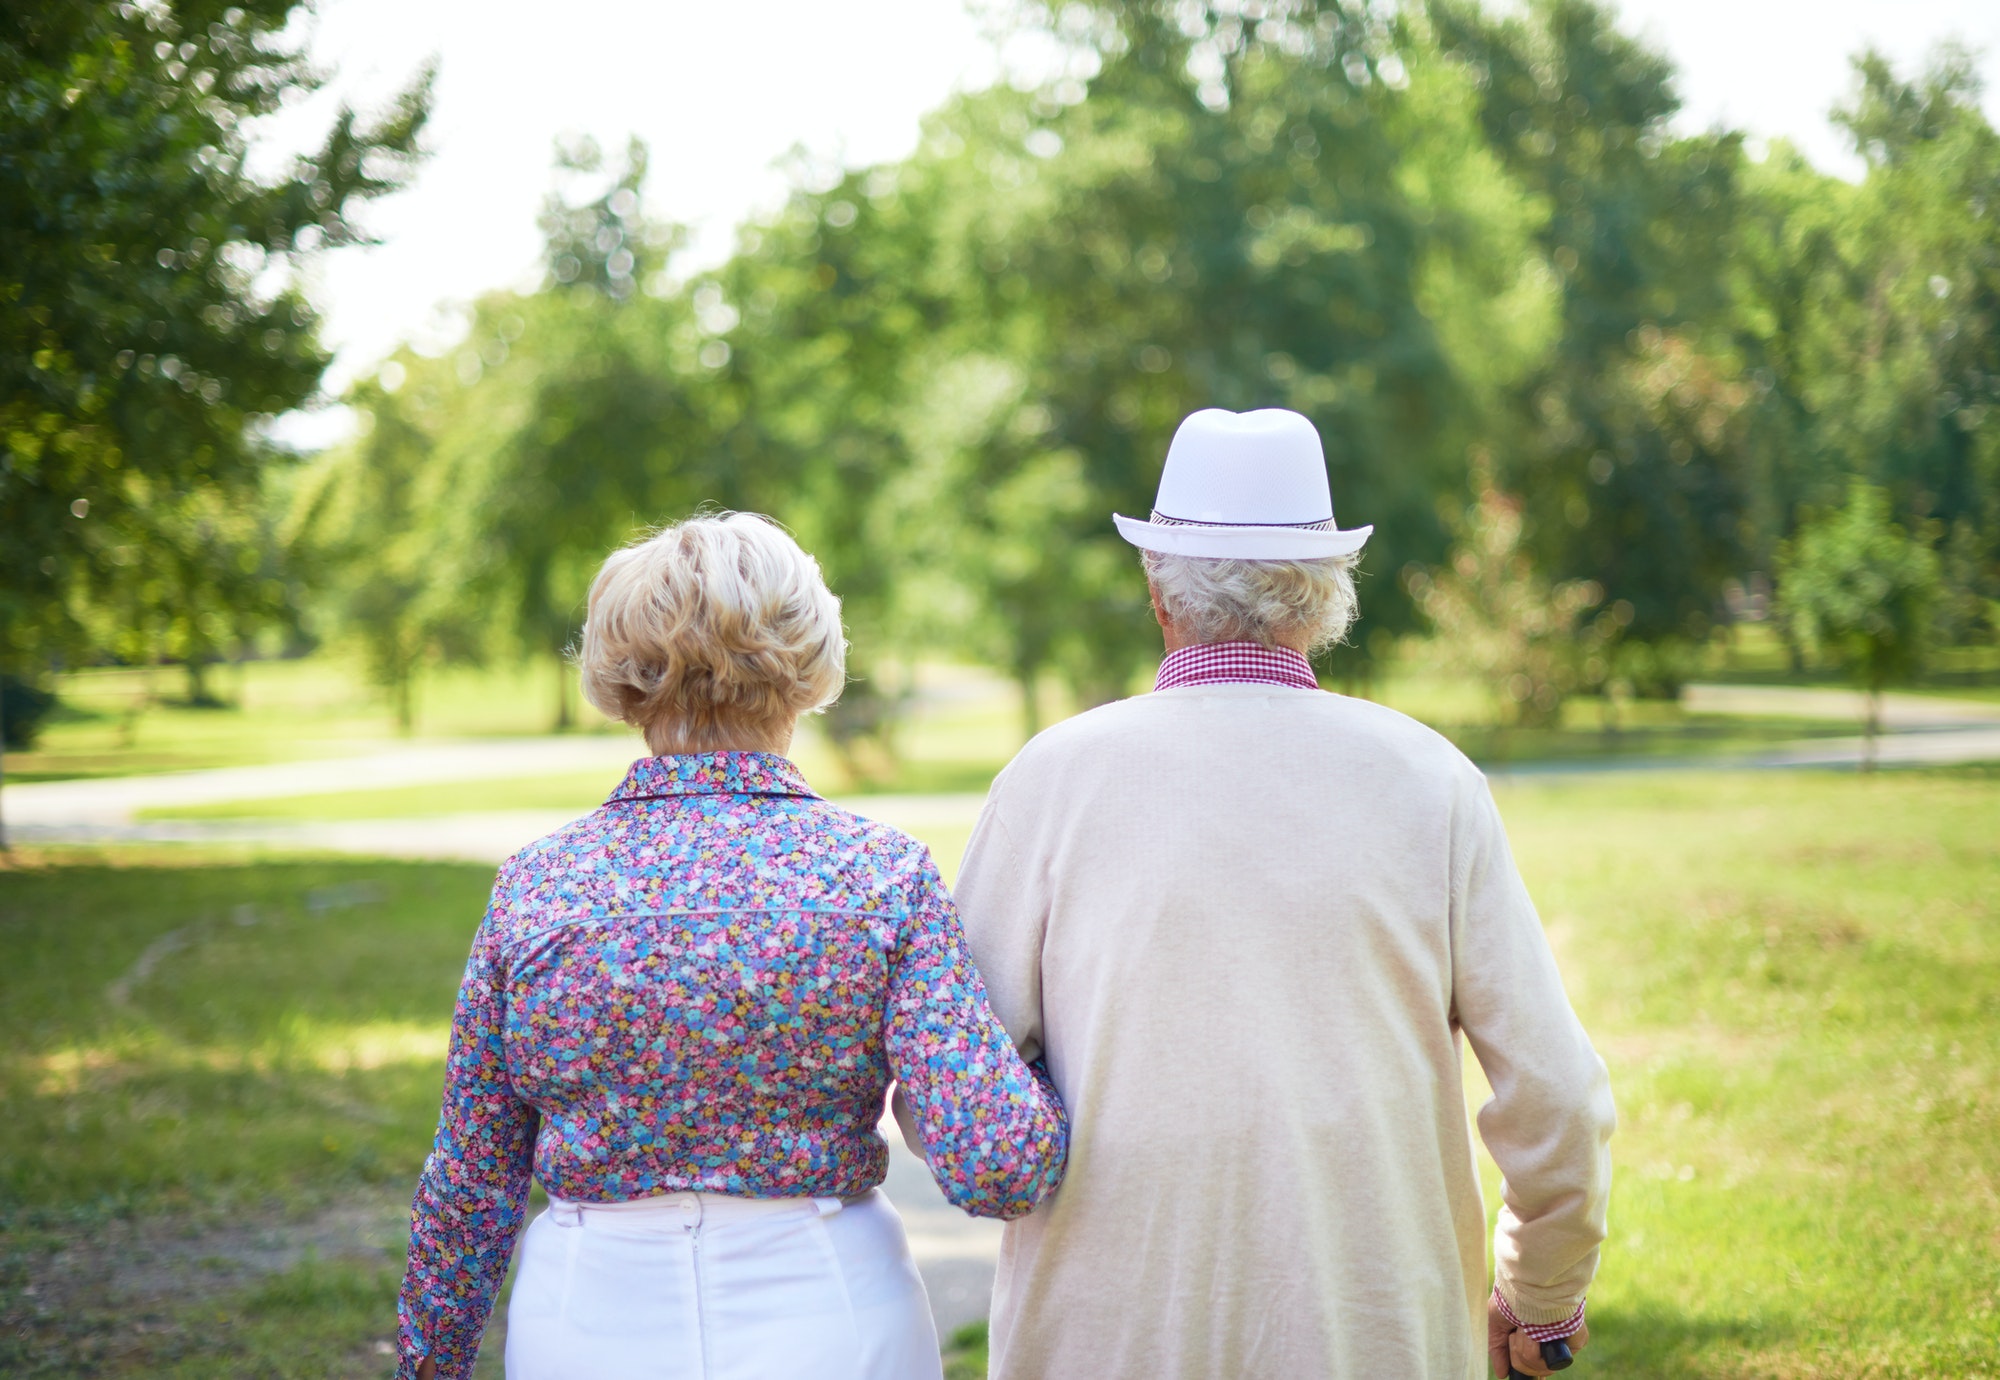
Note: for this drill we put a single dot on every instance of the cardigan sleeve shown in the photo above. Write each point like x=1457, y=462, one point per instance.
x=1005, y=915
x=474, y=1188
x=991, y=1124
x=1549, y=1121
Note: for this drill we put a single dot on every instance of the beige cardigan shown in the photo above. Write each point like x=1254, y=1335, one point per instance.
x=1245, y=924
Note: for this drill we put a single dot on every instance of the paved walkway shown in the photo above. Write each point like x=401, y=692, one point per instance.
x=109, y=800
x=1807, y=702
x=487, y=836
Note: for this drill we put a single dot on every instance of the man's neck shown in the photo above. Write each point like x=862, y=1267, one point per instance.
x=1177, y=641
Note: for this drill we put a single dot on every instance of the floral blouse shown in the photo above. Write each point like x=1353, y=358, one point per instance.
x=708, y=984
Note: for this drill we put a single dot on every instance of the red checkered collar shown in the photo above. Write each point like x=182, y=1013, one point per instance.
x=1235, y=663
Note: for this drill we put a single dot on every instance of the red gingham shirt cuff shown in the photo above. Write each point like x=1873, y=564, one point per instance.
x=1235, y=663
x=1541, y=1332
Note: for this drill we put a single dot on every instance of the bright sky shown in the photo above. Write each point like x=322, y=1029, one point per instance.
x=723, y=91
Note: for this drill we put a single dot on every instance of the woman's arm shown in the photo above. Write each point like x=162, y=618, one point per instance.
x=992, y=1126
x=474, y=1187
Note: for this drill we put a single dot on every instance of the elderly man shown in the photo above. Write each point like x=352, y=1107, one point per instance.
x=1245, y=922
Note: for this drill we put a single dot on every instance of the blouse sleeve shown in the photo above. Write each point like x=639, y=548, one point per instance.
x=474, y=1188
x=992, y=1126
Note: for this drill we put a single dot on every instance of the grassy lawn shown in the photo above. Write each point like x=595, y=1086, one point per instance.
x=197, y=1057
x=1794, y=977
x=1796, y=982
x=117, y=722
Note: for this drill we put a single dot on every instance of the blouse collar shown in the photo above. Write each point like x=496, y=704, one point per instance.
x=712, y=773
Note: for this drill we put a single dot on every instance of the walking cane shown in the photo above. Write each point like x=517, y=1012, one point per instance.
x=1556, y=1355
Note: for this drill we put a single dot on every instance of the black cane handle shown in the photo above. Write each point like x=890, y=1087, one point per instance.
x=1556, y=1355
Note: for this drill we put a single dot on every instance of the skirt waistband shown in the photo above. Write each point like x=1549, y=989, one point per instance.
x=689, y=1209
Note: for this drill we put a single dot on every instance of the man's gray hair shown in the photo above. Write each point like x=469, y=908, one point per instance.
x=1270, y=602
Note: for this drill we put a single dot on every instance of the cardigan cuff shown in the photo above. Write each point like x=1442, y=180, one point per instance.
x=1541, y=1332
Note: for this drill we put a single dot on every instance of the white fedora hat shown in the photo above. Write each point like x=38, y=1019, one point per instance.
x=1247, y=486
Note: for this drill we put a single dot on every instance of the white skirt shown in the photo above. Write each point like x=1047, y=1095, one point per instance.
x=702, y=1286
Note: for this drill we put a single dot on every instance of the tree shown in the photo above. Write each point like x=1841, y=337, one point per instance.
x=1234, y=213
x=363, y=522
x=490, y=484
x=830, y=319
x=1907, y=343
x=142, y=342
x=1631, y=475
x=1858, y=589
x=1495, y=616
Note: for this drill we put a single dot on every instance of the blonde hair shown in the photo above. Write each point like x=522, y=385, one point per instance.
x=711, y=633
x=1309, y=602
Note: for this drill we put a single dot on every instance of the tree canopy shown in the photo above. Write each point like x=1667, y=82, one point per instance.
x=151, y=314
x=1470, y=245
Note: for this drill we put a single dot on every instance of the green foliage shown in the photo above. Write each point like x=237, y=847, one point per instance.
x=1857, y=588
x=1623, y=439
x=1439, y=232
x=965, y=1353
x=362, y=523
x=489, y=484
x=23, y=707
x=150, y=316
x=1496, y=617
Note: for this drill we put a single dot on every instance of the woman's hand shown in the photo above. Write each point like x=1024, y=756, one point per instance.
x=1511, y=1349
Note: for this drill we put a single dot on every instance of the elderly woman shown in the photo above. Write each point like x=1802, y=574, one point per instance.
x=682, y=1014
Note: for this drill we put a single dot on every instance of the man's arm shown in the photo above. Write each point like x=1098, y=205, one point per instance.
x=1004, y=908
x=1550, y=1117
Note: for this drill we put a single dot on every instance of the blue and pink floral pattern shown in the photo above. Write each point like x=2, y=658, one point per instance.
x=709, y=983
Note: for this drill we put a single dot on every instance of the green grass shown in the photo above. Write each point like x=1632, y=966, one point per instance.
x=191, y=1048
x=1795, y=979
x=202, y=1036
x=965, y=1353
x=1796, y=982
x=117, y=722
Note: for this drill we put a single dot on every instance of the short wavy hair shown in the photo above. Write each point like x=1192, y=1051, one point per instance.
x=713, y=632
x=1309, y=603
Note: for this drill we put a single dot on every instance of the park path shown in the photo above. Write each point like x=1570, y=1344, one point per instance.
x=116, y=799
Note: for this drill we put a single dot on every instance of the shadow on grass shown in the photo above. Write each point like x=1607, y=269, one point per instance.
x=1650, y=1341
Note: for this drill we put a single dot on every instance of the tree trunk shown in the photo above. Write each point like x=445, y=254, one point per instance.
x=1872, y=731
x=406, y=705
x=1031, y=710
x=563, y=719
x=4, y=845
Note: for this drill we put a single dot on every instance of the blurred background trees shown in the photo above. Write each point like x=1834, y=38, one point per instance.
x=152, y=319
x=1439, y=230
x=1858, y=588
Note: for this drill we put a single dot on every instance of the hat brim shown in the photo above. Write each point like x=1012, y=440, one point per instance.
x=1241, y=543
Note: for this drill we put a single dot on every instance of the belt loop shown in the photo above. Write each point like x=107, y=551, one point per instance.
x=565, y=1214
x=828, y=1206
